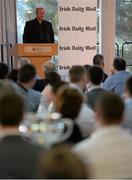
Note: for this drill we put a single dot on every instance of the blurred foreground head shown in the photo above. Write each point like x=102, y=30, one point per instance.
x=11, y=109
x=61, y=163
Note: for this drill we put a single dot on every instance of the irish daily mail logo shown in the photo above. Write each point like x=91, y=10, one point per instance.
x=31, y=49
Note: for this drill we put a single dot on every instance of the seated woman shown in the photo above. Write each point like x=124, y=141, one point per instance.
x=47, y=96
x=68, y=102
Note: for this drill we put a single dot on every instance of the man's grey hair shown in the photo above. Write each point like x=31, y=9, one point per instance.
x=48, y=67
x=39, y=8
x=23, y=61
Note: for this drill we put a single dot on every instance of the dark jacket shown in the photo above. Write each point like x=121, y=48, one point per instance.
x=34, y=32
x=40, y=84
x=105, y=76
x=18, y=158
x=76, y=135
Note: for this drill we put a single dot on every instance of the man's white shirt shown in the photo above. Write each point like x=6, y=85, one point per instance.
x=109, y=150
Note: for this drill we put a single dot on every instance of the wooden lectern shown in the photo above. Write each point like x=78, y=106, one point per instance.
x=37, y=53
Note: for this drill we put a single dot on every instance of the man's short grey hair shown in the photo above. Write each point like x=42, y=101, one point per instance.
x=23, y=61
x=48, y=67
x=39, y=8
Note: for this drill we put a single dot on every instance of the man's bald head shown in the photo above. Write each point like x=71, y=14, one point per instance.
x=40, y=12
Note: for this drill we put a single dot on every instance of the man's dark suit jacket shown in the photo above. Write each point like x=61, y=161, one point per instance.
x=34, y=32
x=18, y=158
x=40, y=84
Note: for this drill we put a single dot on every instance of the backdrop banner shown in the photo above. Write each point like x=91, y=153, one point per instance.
x=77, y=33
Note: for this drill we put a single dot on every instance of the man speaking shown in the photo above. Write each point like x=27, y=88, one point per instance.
x=38, y=30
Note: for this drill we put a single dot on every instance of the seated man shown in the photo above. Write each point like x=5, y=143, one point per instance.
x=95, y=90
x=18, y=157
x=116, y=82
x=23, y=61
x=98, y=60
x=109, y=149
x=78, y=80
x=40, y=84
x=26, y=80
x=13, y=74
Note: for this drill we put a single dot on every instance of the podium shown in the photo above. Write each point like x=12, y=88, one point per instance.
x=38, y=54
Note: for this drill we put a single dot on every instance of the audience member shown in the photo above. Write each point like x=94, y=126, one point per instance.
x=61, y=163
x=13, y=74
x=78, y=80
x=52, y=78
x=41, y=83
x=48, y=67
x=68, y=102
x=23, y=61
x=87, y=67
x=110, y=147
x=98, y=60
x=3, y=70
x=95, y=90
x=54, y=91
x=18, y=157
x=26, y=78
x=127, y=123
x=57, y=86
x=116, y=82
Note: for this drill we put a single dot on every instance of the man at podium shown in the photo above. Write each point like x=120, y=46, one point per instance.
x=38, y=30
